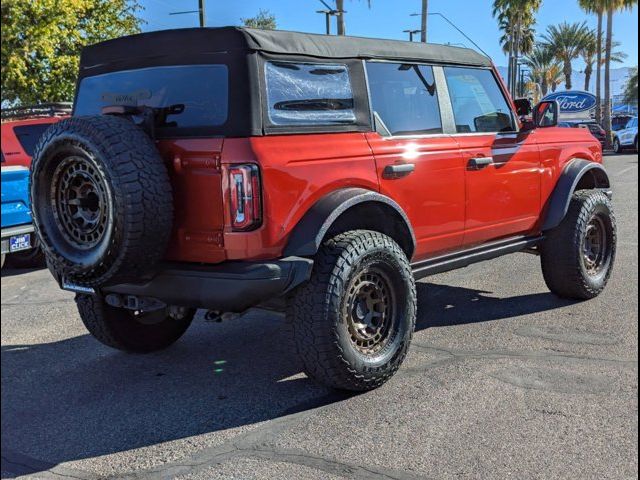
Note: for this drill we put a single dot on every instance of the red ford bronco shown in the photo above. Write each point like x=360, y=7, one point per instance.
x=222, y=168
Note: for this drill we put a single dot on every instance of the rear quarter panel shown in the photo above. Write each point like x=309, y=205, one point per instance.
x=296, y=171
x=558, y=146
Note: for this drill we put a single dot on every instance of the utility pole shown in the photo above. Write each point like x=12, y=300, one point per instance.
x=423, y=21
x=411, y=33
x=340, y=15
x=201, y=10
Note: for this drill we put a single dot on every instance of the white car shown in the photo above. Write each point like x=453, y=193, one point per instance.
x=627, y=137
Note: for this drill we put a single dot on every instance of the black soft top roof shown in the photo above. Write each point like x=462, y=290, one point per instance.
x=183, y=44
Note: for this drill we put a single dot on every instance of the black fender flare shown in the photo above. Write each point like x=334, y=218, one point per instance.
x=307, y=235
x=574, y=171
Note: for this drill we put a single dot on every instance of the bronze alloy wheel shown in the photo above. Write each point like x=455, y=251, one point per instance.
x=79, y=195
x=369, y=310
x=594, y=246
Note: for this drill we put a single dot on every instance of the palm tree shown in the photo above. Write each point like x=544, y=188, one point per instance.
x=612, y=7
x=516, y=19
x=597, y=7
x=566, y=41
x=540, y=61
x=555, y=76
x=589, y=56
x=527, y=36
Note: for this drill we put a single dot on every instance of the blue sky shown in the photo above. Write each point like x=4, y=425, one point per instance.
x=388, y=18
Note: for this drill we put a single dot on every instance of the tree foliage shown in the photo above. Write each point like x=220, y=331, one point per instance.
x=589, y=54
x=516, y=19
x=566, y=41
x=544, y=68
x=264, y=20
x=42, y=40
x=631, y=88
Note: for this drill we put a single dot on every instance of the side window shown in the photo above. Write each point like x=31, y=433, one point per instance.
x=309, y=94
x=478, y=103
x=404, y=97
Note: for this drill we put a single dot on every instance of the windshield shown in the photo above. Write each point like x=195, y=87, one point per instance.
x=200, y=91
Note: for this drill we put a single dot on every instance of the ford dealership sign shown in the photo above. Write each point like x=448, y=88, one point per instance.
x=573, y=101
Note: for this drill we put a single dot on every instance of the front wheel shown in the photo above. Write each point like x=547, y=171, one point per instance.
x=131, y=331
x=617, y=146
x=578, y=255
x=353, y=321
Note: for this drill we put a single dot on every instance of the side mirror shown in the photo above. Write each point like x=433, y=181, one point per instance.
x=546, y=114
x=523, y=107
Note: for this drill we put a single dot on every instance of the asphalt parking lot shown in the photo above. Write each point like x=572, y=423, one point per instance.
x=504, y=380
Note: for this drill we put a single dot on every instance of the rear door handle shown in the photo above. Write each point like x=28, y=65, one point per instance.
x=391, y=172
x=479, y=162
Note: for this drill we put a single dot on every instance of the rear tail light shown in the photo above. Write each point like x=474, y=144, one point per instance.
x=244, y=190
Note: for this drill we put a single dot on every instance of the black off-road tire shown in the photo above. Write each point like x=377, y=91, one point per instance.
x=125, y=330
x=565, y=254
x=120, y=224
x=330, y=352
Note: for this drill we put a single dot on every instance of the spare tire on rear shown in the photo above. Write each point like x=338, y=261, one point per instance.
x=102, y=201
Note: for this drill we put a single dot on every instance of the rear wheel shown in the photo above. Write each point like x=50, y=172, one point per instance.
x=578, y=255
x=131, y=331
x=353, y=321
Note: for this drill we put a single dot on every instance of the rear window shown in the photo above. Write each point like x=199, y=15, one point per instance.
x=28, y=136
x=203, y=91
x=309, y=94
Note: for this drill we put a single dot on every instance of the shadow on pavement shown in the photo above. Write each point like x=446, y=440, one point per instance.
x=444, y=305
x=9, y=271
x=76, y=399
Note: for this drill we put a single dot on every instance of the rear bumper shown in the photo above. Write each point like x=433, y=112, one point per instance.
x=9, y=232
x=228, y=287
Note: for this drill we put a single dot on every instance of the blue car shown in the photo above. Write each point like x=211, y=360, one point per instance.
x=18, y=239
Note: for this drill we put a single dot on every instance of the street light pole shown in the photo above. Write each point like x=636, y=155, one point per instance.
x=332, y=12
x=411, y=33
x=327, y=19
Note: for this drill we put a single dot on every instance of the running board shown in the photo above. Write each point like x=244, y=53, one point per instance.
x=464, y=258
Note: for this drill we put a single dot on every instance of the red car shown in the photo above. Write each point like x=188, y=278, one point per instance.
x=226, y=168
x=22, y=127
x=594, y=127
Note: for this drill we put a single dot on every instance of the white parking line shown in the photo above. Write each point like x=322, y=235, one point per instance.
x=622, y=172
